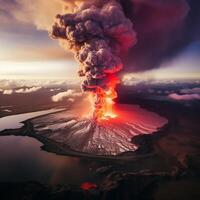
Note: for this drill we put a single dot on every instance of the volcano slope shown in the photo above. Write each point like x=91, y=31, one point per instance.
x=107, y=137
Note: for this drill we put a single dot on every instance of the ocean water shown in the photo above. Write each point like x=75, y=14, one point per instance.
x=14, y=121
x=21, y=159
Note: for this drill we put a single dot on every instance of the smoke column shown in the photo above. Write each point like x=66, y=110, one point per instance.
x=100, y=35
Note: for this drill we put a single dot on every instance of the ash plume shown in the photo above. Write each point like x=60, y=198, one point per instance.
x=99, y=34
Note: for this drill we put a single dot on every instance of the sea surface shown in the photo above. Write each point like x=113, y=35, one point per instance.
x=14, y=121
x=21, y=159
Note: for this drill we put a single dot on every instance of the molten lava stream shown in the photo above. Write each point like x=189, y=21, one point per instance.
x=103, y=101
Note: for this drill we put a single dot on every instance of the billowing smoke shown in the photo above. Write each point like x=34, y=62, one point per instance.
x=163, y=28
x=100, y=35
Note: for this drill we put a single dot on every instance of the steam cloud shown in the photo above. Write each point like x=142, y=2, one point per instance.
x=70, y=94
x=99, y=34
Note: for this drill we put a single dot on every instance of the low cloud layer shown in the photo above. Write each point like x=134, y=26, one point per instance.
x=187, y=94
x=184, y=97
x=69, y=94
x=20, y=91
x=7, y=92
x=27, y=90
x=12, y=84
x=195, y=90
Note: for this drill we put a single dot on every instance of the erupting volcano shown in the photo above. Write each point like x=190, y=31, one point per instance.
x=106, y=137
x=100, y=35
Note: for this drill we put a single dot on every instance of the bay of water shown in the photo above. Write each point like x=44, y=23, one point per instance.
x=21, y=159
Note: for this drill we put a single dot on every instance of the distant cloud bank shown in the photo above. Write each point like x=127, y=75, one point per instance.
x=187, y=94
x=195, y=90
x=7, y=91
x=28, y=90
x=19, y=83
x=184, y=97
x=21, y=91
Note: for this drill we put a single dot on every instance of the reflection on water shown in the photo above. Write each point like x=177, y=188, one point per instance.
x=5, y=122
x=21, y=159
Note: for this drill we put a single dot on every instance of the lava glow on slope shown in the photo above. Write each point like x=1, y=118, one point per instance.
x=104, y=137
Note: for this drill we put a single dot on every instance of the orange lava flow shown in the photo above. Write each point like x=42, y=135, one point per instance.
x=103, y=101
x=86, y=186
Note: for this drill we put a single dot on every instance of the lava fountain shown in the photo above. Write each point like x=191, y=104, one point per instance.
x=100, y=35
x=103, y=101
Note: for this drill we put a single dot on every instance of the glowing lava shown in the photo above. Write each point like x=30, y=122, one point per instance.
x=103, y=100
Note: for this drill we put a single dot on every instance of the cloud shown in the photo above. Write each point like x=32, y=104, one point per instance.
x=40, y=13
x=130, y=79
x=71, y=99
x=28, y=90
x=8, y=92
x=20, y=91
x=187, y=94
x=191, y=91
x=37, y=53
x=55, y=89
x=70, y=94
x=19, y=83
x=184, y=97
x=7, y=110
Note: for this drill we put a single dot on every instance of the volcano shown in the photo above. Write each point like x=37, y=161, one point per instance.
x=107, y=137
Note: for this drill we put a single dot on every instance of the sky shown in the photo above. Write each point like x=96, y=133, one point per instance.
x=27, y=51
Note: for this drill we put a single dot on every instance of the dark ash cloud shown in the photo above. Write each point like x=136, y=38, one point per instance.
x=100, y=35
x=161, y=27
